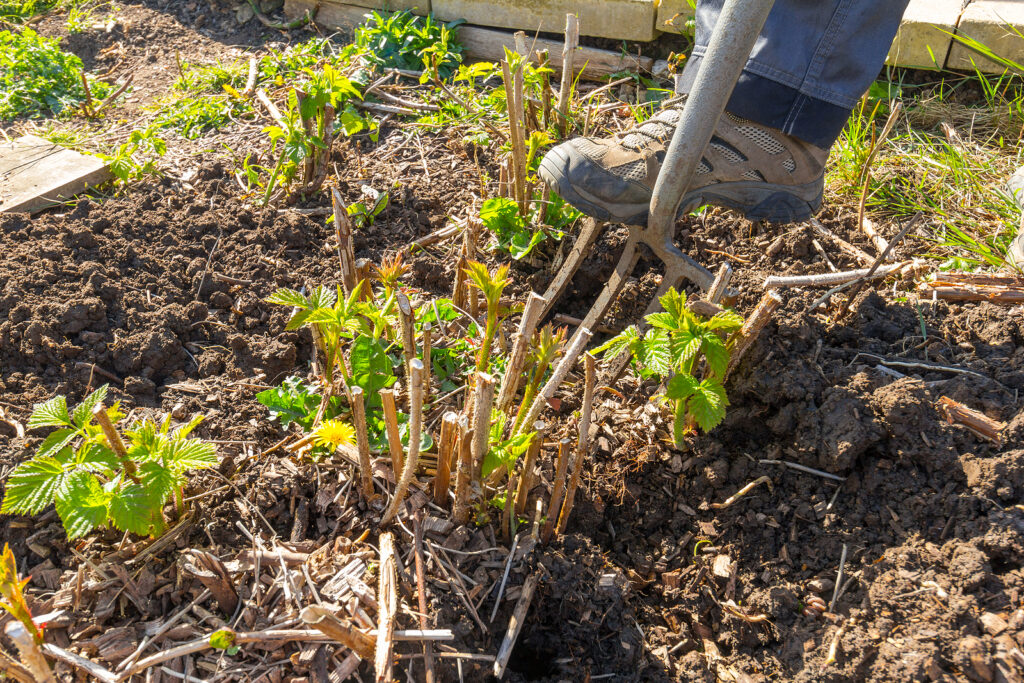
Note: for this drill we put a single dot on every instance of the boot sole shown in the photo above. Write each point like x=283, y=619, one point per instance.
x=757, y=201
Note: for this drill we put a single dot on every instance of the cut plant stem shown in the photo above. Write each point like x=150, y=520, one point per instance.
x=362, y=441
x=445, y=452
x=579, y=341
x=483, y=401
x=114, y=439
x=407, y=321
x=387, y=399
x=856, y=252
x=415, y=427
x=721, y=282
x=514, y=98
x=743, y=338
x=343, y=232
x=977, y=422
x=582, y=442
x=557, y=488
x=31, y=657
x=464, y=473
x=572, y=41
x=387, y=602
x=535, y=305
x=460, y=290
x=526, y=479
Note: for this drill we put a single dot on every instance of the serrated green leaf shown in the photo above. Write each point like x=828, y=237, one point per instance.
x=33, y=485
x=52, y=413
x=663, y=320
x=298, y=320
x=715, y=353
x=81, y=503
x=371, y=367
x=190, y=454
x=685, y=346
x=681, y=387
x=619, y=343
x=322, y=297
x=159, y=481
x=55, y=441
x=132, y=509
x=674, y=303
x=288, y=297
x=83, y=413
x=726, y=321
x=707, y=405
x=187, y=428
x=95, y=457
x=656, y=353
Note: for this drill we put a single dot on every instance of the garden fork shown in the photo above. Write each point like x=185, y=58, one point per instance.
x=732, y=41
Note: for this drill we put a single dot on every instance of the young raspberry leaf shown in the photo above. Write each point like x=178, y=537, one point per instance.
x=55, y=442
x=81, y=503
x=190, y=454
x=96, y=458
x=52, y=413
x=681, y=387
x=32, y=486
x=656, y=352
x=707, y=405
x=132, y=510
x=83, y=413
x=715, y=353
x=726, y=321
x=159, y=481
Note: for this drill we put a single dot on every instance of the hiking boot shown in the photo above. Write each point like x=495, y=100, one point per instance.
x=759, y=171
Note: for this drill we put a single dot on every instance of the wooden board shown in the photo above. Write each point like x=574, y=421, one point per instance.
x=35, y=174
x=484, y=43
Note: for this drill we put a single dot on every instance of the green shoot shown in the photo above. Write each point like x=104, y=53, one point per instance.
x=492, y=285
x=671, y=348
x=547, y=347
x=12, y=594
x=91, y=484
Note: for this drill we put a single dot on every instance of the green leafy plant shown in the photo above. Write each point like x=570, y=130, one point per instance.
x=137, y=157
x=364, y=213
x=92, y=483
x=671, y=348
x=504, y=452
x=546, y=347
x=405, y=41
x=296, y=402
x=37, y=78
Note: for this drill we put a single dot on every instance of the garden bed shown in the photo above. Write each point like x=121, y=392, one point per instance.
x=161, y=292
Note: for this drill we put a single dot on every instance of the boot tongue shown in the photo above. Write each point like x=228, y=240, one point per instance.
x=657, y=128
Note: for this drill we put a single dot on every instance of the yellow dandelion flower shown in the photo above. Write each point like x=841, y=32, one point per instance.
x=334, y=433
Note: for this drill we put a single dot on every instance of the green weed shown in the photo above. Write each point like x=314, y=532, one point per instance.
x=37, y=78
x=405, y=41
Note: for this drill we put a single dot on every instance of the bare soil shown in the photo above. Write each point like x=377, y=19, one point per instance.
x=160, y=293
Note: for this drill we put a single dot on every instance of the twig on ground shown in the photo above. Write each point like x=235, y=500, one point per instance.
x=743, y=338
x=803, y=468
x=828, y=279
x=515, y=624
x=742, y=492
x=856, y=252
x=504, y=578
x=421, y=593
x=839, y=580
x=582, y=442
x=881, y=257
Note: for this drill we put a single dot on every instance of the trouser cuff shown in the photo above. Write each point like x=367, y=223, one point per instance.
x=775, y=105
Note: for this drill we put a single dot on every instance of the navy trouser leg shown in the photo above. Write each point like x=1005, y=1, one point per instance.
x=812, y=62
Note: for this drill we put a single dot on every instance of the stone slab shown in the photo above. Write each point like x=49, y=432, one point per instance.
x=618, y=19
x=996, y=24
x=924, y=39
x=35, y=174
x=673, y=15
